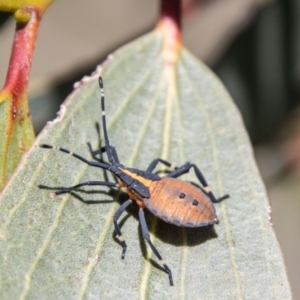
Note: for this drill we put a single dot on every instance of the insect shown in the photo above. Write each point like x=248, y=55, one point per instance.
x=168, y=198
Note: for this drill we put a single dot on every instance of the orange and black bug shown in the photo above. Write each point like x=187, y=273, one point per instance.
x=170, y=199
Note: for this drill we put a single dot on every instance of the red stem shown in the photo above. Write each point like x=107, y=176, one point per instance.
x=171, y=9
x=21, y=55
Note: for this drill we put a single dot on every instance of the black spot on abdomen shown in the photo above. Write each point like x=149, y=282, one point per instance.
x=195, y=202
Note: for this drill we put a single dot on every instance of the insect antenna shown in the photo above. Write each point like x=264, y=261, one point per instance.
x=111, y=156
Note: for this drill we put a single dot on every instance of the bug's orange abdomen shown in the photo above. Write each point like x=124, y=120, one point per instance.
x=180, y=203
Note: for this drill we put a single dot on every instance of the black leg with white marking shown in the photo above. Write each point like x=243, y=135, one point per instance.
x=90, y=163
x=147, y=238
x=69, y=189
x=154, y=163
x=185, y=169
x=117, y=227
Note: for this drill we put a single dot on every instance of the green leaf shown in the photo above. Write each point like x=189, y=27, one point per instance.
x=57, y=247
x=17, y=133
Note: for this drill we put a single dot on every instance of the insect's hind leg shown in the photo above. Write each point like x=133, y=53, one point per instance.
x=147, y=238
x=69, y=189
x=185, y=169
x=117, y=215
x=154, y=163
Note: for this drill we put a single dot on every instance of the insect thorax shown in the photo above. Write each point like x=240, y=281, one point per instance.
x=136, y=181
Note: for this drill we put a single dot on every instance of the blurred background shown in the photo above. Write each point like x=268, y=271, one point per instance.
x=253, y=46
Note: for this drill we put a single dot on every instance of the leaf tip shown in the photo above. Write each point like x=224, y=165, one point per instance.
x=172, y=39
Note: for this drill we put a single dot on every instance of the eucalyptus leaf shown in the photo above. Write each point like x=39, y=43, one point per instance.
x=58, y=247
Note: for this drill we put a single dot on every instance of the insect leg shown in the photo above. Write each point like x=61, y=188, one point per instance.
x=186, y=168
x=117, y=227
x=113, y=152
x=95, y=152
x=180, y=170
x=147, y=238
x=69, y=189
x=154, y=163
